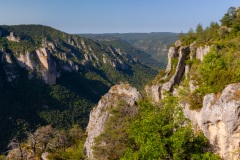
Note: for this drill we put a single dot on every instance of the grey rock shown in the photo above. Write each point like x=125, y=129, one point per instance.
x=187, y=71
x=172, y=53
x=41, y=61
x=178, y=43
x=11, y=37
x=193, y=49
x=201, y=52
x=176, y=78
x=154, y=92
x=100, y=114
x=219, y=120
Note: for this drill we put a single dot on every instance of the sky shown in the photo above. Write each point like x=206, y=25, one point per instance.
x=115, y=16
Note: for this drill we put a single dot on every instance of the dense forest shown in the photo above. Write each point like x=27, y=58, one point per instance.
x=150, y=48
x=28, y=102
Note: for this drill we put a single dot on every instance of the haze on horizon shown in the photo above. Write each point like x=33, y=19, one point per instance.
x=118, y=16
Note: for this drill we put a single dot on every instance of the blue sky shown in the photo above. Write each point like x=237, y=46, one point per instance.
x=115, y=16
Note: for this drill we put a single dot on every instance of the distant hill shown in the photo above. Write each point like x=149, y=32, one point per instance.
x=155, y=44
x=50, y=77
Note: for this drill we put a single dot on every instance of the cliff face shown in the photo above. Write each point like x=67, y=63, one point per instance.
x=40, y=61
x=218, y=118
x=100, y=114
x=52, y=52
x=172, y=76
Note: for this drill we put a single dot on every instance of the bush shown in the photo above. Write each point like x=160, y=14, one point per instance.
x=162, y=132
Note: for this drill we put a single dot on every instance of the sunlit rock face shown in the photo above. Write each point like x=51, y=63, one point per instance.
x=219, y=120
x=100, y=114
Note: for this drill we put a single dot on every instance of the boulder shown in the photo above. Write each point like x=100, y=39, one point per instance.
x=178, y=43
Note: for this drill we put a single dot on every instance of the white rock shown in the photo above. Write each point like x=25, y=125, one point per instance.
x=99, y=115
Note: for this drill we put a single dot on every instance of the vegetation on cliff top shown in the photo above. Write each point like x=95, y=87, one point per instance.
x=154, y=132
x=220, y=66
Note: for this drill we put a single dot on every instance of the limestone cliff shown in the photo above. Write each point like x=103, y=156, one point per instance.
x=41, y=61
x=53, y=52
x=218, y=118
x=172, y=76
x=11, y=37
x=100, y=114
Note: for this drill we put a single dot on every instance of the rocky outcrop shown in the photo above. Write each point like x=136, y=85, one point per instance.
x=178, y=43
x=100, y=114
x=42, y=62
x=219, y=120
x=172, y=53
x=11, y=37
x=198, y=52
x=117, y=63
x=176, y=78
x=49, y=71
x=156, y=91
x=201, y=52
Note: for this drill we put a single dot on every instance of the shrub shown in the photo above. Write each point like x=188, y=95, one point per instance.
x=162, y=132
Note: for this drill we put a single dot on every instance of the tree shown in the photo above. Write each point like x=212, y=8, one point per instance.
x=40, y=140
x=162, y=132
x=16, y=150
x=111, y=144
x=46, y=133
x=200, y=32
x=189, y=38
x=228, y=17
x=61, y=140
x=231, y=11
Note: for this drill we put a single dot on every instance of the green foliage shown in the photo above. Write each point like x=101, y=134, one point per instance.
x=115, y=137
x=162, y=132
x=60, y=144
x=127, y=48
x=217, y=70
x=27, y=104
x=75, y=149
x=2, y=157
x=31, y=103
x=143, y=46
x=189, y=38
x=228, y=18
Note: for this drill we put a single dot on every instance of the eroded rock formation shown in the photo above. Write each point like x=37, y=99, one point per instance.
x=11, y=37
x=42, y=62
x=100, y=114
x=156, y=91
x=219, y=117
x=219, y=120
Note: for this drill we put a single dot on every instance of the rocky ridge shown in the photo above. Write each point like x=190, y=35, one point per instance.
x=57, y=54
x=219, y=118
x=100, y=114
